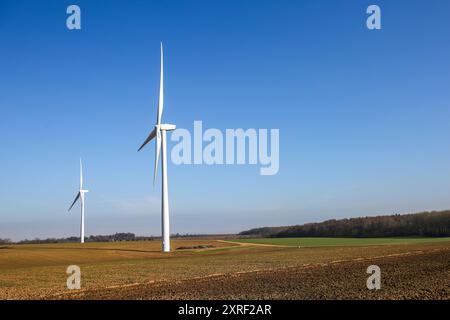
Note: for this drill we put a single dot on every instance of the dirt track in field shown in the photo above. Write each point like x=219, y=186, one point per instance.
x=410, y=275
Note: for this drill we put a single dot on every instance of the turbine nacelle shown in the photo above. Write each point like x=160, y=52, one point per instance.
x=166, y=127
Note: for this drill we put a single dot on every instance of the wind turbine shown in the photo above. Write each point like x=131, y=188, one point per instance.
x=160, y=133
x=80, y=195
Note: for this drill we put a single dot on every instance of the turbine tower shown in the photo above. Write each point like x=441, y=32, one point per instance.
x=80, y=195
x=160, y=133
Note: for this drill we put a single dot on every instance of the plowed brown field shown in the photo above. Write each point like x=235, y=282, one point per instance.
x=416, y=271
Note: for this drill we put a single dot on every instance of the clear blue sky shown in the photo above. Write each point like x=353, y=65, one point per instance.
x=364, y=116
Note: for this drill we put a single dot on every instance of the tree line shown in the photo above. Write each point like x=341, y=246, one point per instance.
x=5, y=241
x=424, y=224
x=121, y=236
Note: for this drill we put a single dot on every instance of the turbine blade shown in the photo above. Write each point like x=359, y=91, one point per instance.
x=158, y=149
x=81, y=175
x=74, y=201
x=161, y=89
x=149, y=138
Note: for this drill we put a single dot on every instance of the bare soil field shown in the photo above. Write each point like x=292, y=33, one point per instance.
x=226, y=271
x=424, y=275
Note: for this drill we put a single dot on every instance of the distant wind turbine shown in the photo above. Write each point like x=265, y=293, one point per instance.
x=160, y=133
x=80, y=195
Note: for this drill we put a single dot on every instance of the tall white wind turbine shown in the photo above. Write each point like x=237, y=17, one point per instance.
x=80, y=195
x=160, y=133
